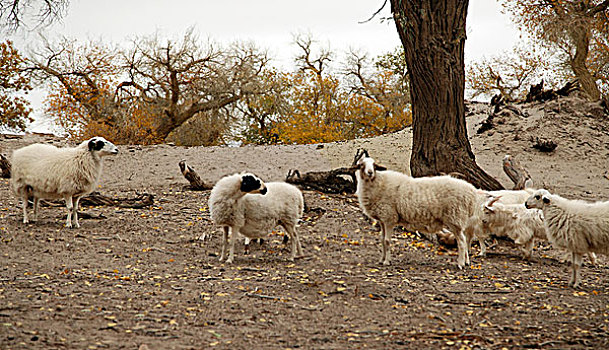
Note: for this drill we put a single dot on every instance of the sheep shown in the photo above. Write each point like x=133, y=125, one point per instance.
x=514, y=221
x=427, y=204
x=577, y=226
x=504, y=197
x=243, y=203
x=520, y=224
x=44, y=171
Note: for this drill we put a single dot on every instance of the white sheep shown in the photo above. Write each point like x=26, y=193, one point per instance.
x=515, y=221
x=504, y=197
x=426, y=204
x=524, y=226
x=44, y=171
x=242, y=203
x=577, y=226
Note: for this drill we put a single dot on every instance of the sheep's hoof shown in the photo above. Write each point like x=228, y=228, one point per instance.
x=573, y=284
x=229, y=261
x=386, y=263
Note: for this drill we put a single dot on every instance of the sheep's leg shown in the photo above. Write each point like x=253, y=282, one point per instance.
x=463, y=258
x=527, y=249
x=36, y=202
x=233, y=239
x=472, y=230
x=296, y=248
x=247, y=245
x=481, y=241
x=25, y=219
x=75, y=211
x=224, y=242
x=592, y=257
x=577, y=265
x=70, y=207
x=386, y=239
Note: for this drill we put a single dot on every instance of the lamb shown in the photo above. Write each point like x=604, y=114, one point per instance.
x=427, y=204
x=44, y=171
x=243, y=203
x=577, y=226
x=504, y=197
x=514, y=221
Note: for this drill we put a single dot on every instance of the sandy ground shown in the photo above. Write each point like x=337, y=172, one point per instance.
x=141, y=279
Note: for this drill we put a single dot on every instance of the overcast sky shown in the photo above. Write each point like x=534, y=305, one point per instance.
x=271, y=24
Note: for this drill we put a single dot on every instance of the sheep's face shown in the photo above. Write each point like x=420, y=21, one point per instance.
x=538, y=199
x=487, y=208
x=497, y=216
x=252, y=184
x=368, y=168
x=101, y=146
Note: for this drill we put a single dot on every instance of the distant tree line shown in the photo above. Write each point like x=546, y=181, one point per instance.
x=200, y=93
x=567, y=40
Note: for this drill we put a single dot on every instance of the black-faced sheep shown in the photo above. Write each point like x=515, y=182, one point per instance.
x=242, y=203
x=577, y=226
x=426, y=204
x=44, y=171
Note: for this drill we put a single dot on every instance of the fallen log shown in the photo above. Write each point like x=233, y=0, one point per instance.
x=537, y=93
x=324, y=181
x=341, y=180
x=5, y=167
x=196, y=184
x=517, y=173
x=141, y=200
x=96, y=199
x=544, y=145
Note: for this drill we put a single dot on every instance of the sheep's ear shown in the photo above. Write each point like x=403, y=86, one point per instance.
x=95, y=145
x=358, y=166
x=546, y=200
x=379, y=167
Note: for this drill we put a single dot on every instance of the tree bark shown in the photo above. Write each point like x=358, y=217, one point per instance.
x=5, y=167
x=581, y=39
x=175, y=119
x=433, y=36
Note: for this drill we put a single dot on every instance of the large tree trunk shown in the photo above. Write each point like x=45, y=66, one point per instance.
x=581, y=40
x=433, y=35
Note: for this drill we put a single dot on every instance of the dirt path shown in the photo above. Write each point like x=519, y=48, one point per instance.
x=134, y=279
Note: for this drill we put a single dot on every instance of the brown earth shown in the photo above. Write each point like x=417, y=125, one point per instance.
x=142, y=279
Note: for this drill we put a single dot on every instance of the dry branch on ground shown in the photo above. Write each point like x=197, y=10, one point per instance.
x=196, y=184
x=517, y=173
